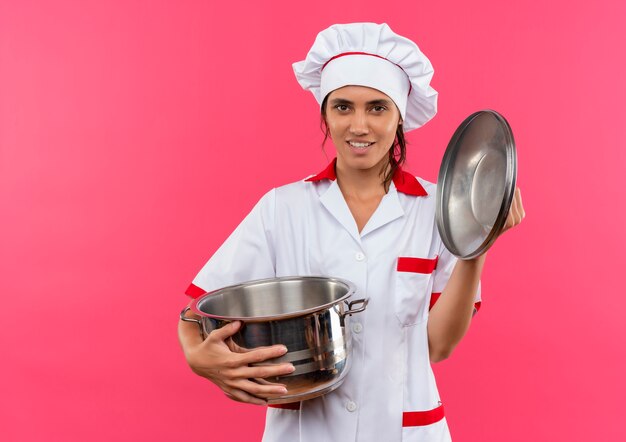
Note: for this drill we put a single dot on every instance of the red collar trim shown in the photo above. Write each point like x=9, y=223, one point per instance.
x=407, y=183
x=326, y=174
x=404, y=181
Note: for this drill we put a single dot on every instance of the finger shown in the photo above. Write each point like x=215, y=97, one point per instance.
x=263, y=371
x=265, y=382
x=510, y=218
x=521, y=205
x=262, y=354
x=519, y=210
x=236, y=365
x=230, y=396
x=255, y=389
x=277, y=347
x=514, y=213
x=242, y=396
x=234, y=347
x=225, y=332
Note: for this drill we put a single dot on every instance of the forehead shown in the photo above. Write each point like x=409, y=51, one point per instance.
x=358, y=94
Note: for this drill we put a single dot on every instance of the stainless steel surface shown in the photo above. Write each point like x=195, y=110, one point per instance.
x=275, y=298
x=309, y=315
x=476, y=184
x=351, y=309
x=186, y=319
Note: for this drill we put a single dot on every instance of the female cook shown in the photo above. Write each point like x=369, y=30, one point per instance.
x=366, y=220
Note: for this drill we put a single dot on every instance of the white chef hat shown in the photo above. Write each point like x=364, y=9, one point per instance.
x=372, y=55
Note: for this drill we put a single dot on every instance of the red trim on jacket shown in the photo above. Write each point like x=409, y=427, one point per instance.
x=417, y=265
x=408, y=184
x=327, y=174
x=433, y=298
x=409, y=418
x=194, y=291
x=420, y=418
x=404, y=181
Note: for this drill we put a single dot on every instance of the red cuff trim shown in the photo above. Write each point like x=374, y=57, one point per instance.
x=194, y=291
x=290, y=406
x=477, y=306
x=420, y=418
x=417, y=265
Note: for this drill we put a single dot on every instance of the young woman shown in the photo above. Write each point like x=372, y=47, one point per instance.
x=366, y=220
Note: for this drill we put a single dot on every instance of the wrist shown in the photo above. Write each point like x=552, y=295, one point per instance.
x=480, y=259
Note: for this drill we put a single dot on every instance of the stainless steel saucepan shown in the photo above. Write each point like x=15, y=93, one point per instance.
x=309, y=315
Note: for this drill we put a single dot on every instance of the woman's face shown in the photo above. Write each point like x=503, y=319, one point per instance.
x=362, y=123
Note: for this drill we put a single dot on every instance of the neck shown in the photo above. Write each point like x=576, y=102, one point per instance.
x=362, y=182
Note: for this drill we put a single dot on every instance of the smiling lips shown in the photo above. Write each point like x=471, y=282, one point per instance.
x=359, y=145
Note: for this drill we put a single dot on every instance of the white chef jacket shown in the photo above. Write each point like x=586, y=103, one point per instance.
x=398, y=261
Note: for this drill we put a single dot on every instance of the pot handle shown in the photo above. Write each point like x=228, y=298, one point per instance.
x=362, y=303
x=184, y=318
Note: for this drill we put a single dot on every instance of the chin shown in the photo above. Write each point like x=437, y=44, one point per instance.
x=363, y=163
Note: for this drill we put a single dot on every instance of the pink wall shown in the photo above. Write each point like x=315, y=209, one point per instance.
x=134, y=135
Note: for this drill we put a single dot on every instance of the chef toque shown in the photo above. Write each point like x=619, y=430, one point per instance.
x=372, y=55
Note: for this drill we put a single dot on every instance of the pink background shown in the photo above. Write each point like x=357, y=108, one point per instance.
x=135, y=135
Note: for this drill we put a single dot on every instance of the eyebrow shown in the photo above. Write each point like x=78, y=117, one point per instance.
x=379, y=102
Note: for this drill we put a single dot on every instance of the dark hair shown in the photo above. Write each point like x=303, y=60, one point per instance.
x=397, y=152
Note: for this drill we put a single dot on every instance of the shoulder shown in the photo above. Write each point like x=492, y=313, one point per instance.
x=293, y=189
x=300, y=191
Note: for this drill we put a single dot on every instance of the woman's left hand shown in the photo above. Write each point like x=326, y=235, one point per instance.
x=516, y=213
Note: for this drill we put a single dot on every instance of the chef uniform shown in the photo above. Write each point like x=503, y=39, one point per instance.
x=397, y=261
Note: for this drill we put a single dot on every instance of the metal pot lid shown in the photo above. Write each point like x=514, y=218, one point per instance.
x=476, y=184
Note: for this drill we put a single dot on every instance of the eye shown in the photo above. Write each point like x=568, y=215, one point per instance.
x=341, y=107
x=379, y=109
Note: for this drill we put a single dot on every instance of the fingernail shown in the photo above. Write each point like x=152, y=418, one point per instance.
x=292, y=368
x=283, y=390
x=284, y=349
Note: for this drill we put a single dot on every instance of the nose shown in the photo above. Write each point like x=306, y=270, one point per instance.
x=358, y=123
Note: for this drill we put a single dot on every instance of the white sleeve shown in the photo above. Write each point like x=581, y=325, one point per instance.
x=445, y=265
x=247, y=254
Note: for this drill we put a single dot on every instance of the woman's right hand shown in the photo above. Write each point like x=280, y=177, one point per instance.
x=211, y=358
